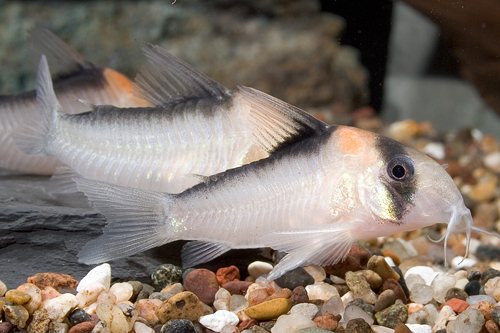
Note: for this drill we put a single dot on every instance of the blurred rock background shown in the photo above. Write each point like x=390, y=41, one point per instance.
x=288, y=49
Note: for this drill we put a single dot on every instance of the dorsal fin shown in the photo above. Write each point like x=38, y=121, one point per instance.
x=166, y=79
x=278, y=124
x=63, y=59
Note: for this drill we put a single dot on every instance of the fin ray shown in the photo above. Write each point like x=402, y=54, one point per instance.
x=321, y=246
x=135, y=221
x=166, y=79
x=32, y=137
x=198, y=252
x=277, y=123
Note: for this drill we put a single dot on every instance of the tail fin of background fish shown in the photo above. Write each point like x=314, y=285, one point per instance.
x=167, y=79
x=62, y=58
x=136, y=221
x=32, y=137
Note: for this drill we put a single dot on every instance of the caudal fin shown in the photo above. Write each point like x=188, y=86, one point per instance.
x=135, y=221
x=32, y=136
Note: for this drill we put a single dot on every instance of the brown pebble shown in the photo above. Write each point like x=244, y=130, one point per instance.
x=401, y=328
x=356, y=260
x=84, y=327
x=247, y=323
x=326, y=322
x=203, y=283
x=392, y=255
x=384, y=300
x=55, y=280
x=49, y=293
x=237, y=287
x=485, y=308
x=358, y=325
x=257, y=296
x=226, y=274
x=6, y=327
x=299, y=295
x=40, y=321
x=396, y=288
x=491, y=326
x=283, y=293
x=184, y=305
x=455, y=293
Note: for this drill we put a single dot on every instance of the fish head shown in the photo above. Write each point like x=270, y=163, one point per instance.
x=408, y=190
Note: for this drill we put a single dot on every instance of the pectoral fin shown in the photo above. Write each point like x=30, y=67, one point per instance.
x=314, y=246
x=197, y=252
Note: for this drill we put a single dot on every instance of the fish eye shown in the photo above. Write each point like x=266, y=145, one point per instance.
x=400, y=168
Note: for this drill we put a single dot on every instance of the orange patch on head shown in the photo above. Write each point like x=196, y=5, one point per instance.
x=352, y=140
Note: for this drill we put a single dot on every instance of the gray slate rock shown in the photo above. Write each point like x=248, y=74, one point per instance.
x=40, y=233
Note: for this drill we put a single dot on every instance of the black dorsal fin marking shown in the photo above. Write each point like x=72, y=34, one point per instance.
x=278, y=124
x=166, y=79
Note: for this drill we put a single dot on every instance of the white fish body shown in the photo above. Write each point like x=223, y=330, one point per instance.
x=322, y=188
x=197, y=127
x=74, y=78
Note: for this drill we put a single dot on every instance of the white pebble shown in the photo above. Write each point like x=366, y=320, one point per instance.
x=348, y=296
x=480, y=298
x=413, y=279
x=113, y=316
x=89, y=294
x=291, y=324
x=460, y=284
x=142, y=328
x=461, y=262
x=258, y=268
x=354, y=312
x=59, y=307
x=469, y=321
x=218, y=320
x=416, y=328
x=3, y=288
x=237, y=303
x=427, y=273
x=492, y=161
x=435, y=149
x=441, y=284
x=403, y=248
x=123, y=291
x=307, y=310
x=389, y=261
x=336, y=279
x=491, y=285
x=100, y=274
x=381, y=329
x=317, y=272
x=222, y=299
x=334, y=306
x=421, y=293
x=101, y=327
x=446, y=314
x=322, y=291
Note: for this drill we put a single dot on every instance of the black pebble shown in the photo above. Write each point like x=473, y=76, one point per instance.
x=295, y=278
x=402, y=281
x=472, y=288
x=495, y=314
x=489, y=274
x=474, y=275
x=178, y=326
x=368, y=308
x=78, y=316
x=488, y=252
x=165, y=275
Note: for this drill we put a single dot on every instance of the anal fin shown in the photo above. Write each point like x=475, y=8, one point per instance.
x=198, y=252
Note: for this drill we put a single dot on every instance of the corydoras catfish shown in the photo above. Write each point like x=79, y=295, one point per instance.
x=321, y=189
x=196, y=128
x=74, y=78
